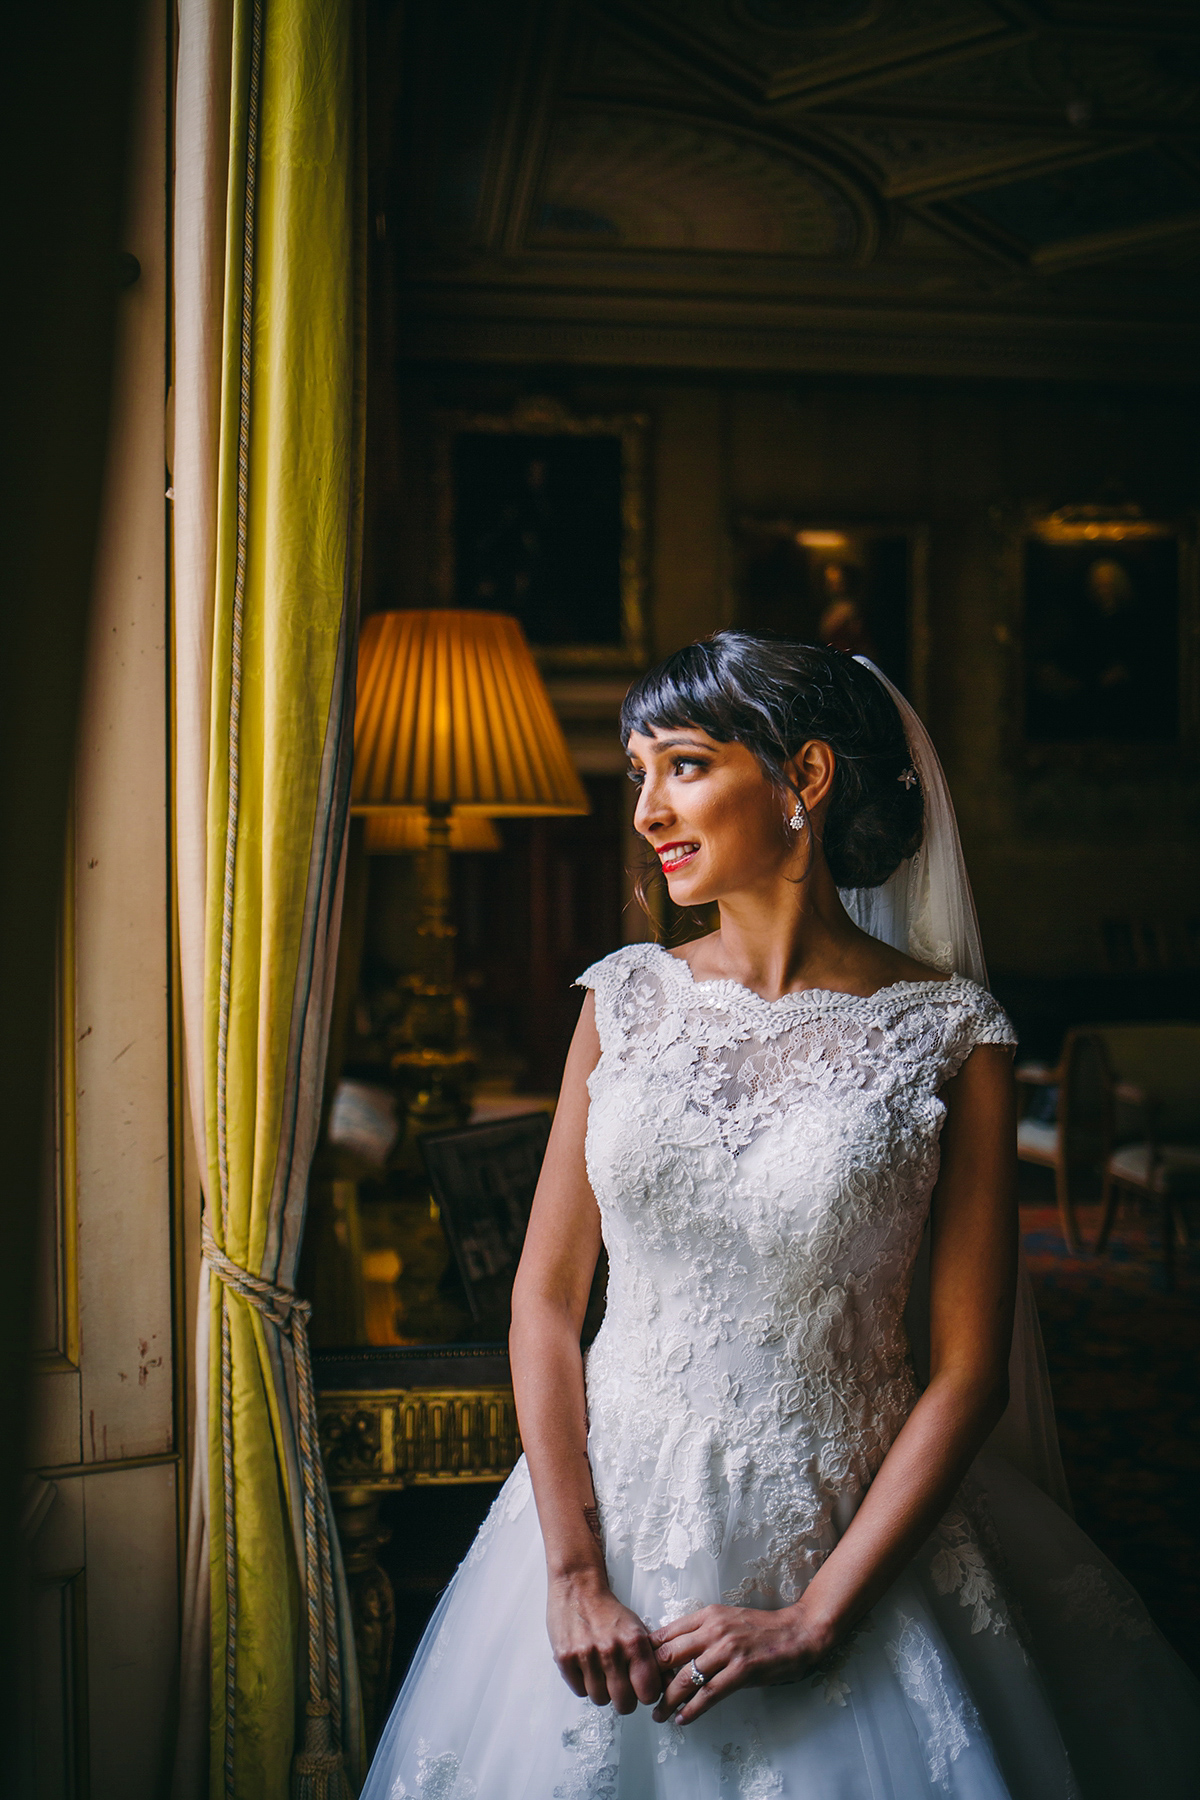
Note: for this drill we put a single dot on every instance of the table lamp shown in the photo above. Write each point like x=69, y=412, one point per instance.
x=452, y=722
x=405, y=830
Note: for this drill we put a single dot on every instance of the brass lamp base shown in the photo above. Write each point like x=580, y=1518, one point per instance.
x=434, y=1057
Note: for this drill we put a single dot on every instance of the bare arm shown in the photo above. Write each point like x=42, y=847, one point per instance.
x=973, y=1281
x=601, y=1648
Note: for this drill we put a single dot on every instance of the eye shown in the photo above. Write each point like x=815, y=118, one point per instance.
x=637, y=776
x=683, y=763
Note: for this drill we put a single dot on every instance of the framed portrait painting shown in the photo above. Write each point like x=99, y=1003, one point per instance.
x=1103, y=627
x=1101, y=630
x=542, y=514
x=858, y=587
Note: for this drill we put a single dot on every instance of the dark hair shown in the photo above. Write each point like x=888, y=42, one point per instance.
x=774, y=696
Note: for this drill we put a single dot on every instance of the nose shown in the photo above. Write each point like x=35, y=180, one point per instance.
x=651, y=813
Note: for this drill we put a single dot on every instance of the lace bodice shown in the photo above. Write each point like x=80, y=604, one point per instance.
x=763, y=1172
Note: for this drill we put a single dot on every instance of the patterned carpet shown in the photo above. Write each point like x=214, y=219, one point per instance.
x=1125, y=1366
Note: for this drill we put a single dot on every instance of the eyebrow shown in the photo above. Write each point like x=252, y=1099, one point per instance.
x=675, y=744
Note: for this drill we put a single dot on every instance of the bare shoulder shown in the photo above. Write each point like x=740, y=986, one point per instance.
x=910, y=969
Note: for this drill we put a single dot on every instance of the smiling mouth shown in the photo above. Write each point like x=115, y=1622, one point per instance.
x=673, y=856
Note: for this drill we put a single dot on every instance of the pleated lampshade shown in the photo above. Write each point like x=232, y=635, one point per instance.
x=404, y=828
x=453, y=713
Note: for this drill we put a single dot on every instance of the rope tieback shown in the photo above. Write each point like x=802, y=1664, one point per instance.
x=289, y=1314
x=278, y=1305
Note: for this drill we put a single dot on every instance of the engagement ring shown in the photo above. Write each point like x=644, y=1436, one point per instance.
x=698, y=1680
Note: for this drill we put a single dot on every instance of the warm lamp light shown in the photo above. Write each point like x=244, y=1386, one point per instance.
x=452, y=720
x=453, y=713
x=407, y=829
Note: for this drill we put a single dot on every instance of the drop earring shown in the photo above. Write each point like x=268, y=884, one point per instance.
x=799, y=818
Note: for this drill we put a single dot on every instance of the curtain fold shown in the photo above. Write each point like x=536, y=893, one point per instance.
x=268, y=485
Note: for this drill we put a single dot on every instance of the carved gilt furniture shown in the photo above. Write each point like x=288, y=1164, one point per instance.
x=391, y=1419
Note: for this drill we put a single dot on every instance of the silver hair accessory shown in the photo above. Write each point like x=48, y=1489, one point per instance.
x=698, y=1680
x=909, y=777
x=799, y=817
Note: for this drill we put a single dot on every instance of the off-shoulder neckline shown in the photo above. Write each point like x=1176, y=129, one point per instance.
x=801, y=997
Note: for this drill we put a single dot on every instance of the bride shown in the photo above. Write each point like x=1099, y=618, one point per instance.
x=796, y=1526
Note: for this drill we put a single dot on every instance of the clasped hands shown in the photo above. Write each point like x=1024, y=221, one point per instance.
x=604, y=1651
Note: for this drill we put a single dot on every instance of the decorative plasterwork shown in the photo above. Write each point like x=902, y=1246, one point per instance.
x=1078, y=82
x=643, y=181
x=916, y=159
x=1088, y=211
x=776, y=53
x=608, y=62
x=620, y=178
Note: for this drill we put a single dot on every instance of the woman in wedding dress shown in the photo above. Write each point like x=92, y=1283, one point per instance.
x=777, y=1535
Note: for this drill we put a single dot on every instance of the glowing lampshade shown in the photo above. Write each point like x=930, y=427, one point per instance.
x=407, y=829
x=452, y=713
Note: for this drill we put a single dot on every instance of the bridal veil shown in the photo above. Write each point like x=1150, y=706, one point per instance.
x=927, y=910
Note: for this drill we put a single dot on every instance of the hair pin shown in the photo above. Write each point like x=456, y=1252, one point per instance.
x=908, y=777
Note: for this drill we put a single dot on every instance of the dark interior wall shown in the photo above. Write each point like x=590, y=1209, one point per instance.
x=1056, y=846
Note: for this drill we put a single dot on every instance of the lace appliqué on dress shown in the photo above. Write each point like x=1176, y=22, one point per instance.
x=438, y=1778
x=593, y=1742
x=763, y=1172
x=746, y=1774
x=1088, y=1600
x=948, y=1722
x=674, y=1606
x=968, y=1560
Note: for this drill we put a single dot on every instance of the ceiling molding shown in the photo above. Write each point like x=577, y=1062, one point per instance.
x=647, y=165
x=823, y=64
x=797, y=338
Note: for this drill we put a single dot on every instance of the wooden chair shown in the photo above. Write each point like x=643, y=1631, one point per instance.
x=1075, y=1138
x=1152, y=1079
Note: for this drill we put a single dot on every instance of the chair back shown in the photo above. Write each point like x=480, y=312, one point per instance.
x=1163, y=1060
x=1085, y=1109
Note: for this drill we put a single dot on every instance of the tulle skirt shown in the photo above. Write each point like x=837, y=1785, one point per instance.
x=1064, y=1689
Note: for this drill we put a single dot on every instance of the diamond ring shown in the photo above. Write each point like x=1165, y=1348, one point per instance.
x=698, y=1680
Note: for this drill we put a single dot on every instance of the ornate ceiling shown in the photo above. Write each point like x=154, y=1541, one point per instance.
x=925, y=186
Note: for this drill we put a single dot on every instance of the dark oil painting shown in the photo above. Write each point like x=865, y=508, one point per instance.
x=849, y=587
x=537, y=532
x=1101, y=638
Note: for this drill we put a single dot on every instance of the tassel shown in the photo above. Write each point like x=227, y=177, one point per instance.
x=318, y=1772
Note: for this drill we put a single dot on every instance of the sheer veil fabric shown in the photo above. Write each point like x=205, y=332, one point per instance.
x=927, y=910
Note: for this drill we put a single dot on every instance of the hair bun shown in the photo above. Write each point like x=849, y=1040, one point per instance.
x=869, y=834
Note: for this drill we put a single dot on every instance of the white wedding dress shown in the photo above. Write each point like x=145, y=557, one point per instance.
x=763, y=1171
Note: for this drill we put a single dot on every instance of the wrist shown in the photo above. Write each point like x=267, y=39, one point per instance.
x=578, y=1575
x=819, y=1629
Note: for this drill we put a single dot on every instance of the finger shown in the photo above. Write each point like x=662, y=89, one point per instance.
x=678, y=1628
x=647, y=1678
x=726, y=1681
x=680, y=1650
x=571, y=1673
x=616, y=1680
x=680, y=1689
x=593, y=1676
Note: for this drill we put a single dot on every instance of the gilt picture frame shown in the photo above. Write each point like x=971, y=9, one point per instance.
x=542, y=513
x=1099, y=618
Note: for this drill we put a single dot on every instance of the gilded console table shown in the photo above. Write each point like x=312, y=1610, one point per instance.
x=391, y=1419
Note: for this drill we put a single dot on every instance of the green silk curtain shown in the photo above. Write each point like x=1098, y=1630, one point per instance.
x=287, y=524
